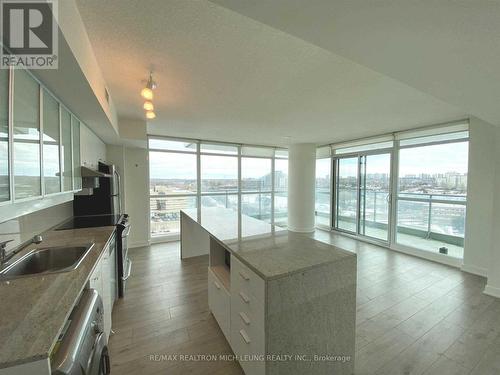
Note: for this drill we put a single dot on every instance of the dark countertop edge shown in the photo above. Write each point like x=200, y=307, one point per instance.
x=258, y=272
x=36, y=358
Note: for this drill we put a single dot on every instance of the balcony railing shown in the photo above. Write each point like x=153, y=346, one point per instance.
x=430, y=216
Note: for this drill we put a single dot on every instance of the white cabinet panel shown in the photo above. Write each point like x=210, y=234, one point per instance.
x=26, y=136
x=219, y=303
x=96, y=278
x=106, y=291
x=100, y=280
x=77, y=175
x=67, y=163
x=4, y=136
x=51, y=144
x=245, y=280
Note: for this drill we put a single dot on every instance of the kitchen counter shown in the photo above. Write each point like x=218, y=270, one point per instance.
x=34, y=309
x=274, y=292
x=270, y=251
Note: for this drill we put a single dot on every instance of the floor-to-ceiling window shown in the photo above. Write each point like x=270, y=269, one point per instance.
x=431, y=196
x=185, y=174
x=219, y=176
x=173, y=183
x=323, y=198
x=346, y=194
x=374, y=195
x=281, y=188
x=407, y=190
x=256, y=183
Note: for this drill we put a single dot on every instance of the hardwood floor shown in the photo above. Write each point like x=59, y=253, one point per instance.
x=413, y=316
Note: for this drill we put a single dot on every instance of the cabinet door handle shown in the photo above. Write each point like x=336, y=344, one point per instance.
x=244, y=276
x=216, y=284
x=244, y=297
x=245, y=318
x=245, y=336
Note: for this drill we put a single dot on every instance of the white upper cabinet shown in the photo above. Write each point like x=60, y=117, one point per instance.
x=77, y=176
x=51, y=144
x=66, y=153
x=26, y=136
x=39, y=143
x=4, y=136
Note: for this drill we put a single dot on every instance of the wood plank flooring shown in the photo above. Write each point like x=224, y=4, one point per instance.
x=413, y=316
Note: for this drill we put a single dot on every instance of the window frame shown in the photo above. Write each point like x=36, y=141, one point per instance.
x=277, y=153
x=451, y=128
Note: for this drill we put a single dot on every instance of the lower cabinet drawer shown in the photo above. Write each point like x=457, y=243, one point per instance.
x=248, y=343
x=219, y=302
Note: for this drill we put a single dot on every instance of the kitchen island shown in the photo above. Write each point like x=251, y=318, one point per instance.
x=285, y=302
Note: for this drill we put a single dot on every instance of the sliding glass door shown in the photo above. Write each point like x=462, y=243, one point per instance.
x=346, y=194
x=407, y=190
x=375, y=185
x=362, y=195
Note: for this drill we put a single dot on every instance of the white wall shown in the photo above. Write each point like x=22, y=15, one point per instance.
x=137, y=194
x=482, y=235
x=480, y=193
x=25, y=227
x=73, y=28
x=493, y=285
x=92, y=148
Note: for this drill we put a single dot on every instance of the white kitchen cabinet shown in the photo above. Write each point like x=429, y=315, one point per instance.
x=106, y=293
x=26, y=136
x=4, y=136
x=75, y=147
x=40, y=148
x=96, y=277
x=219, y=303
x=101, y=281
x=51, y=136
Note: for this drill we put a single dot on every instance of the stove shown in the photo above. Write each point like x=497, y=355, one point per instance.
x=123, y=262
x=90, y=222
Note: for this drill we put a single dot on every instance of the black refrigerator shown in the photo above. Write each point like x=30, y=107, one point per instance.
x=103, y=208
x=105, y=199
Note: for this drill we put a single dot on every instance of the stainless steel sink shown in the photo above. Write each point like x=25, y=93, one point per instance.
x=47, y=260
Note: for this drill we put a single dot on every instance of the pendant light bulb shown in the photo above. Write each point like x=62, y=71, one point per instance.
x=148, y=105
x=147, y=93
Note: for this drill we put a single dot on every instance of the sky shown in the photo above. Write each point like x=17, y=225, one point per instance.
x=434, y=159
x=183, y=166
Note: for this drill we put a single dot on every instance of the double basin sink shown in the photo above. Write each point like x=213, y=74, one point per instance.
x=47, y=260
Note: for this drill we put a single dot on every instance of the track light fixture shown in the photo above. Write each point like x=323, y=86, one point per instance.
x=147, y=93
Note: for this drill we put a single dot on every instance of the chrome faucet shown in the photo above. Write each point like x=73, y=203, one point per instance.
x=4, y=257
x=3, y=251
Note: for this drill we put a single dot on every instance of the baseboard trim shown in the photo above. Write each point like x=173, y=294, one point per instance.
x=475, y=270
x=139, y=244
x=163, y=239
x=492, y=291
x=434, y=257
x=301, y=230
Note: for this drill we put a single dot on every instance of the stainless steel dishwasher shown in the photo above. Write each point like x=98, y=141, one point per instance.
x=82, y=348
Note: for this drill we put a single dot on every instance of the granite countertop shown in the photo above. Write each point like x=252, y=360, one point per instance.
x=270, y=251
x=34, y=309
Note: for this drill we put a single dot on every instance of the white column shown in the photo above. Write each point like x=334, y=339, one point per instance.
x=301, y=182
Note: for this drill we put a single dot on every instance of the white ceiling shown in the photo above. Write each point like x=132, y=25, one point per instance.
x=224, y=76
x=447, y=48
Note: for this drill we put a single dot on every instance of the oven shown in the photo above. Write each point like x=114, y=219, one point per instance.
x=124, y=264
